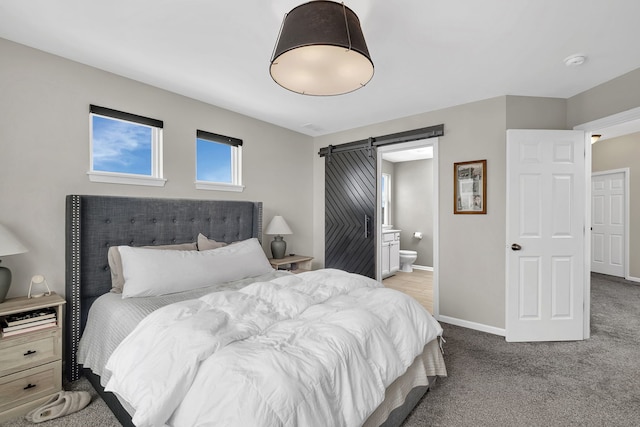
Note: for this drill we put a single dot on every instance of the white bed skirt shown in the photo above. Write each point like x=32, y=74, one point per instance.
x=427, y=365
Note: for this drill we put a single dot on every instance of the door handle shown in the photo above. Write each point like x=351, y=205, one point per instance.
x=366, y=226
x=516, y=247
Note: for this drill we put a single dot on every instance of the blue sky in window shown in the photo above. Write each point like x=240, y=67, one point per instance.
x=121, y=146
x=213, y=161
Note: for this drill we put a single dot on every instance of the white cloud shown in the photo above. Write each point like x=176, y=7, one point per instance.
x=116, y=142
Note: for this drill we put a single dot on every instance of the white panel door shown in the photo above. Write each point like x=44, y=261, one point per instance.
x=608, y=212
x=546, y=199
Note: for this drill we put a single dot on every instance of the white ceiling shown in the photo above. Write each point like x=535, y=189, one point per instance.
x=428, y=54
x=409, y=154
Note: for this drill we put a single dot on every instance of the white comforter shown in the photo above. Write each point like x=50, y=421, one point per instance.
x=314, y=349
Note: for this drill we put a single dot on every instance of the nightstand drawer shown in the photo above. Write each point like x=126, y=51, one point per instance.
x=34, y=383
x=23, y=352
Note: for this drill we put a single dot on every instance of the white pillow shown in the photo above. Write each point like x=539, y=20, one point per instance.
x=152, y=272
x=205, y=244
x=115, y=262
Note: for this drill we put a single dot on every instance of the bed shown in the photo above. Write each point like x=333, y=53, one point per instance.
x=95, y=223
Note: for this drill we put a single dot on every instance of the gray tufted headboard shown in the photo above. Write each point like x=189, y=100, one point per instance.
x=93, y=223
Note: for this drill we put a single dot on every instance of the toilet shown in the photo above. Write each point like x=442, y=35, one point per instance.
x=407, y=258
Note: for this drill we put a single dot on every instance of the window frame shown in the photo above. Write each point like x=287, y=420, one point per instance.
x=236, y=162
x=156, y=178
x=385, y=197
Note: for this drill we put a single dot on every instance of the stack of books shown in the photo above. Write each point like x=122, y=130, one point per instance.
x=29, y=321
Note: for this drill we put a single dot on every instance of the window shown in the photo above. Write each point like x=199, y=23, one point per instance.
x=385, y=197
x=125, y=148
x=218, y=162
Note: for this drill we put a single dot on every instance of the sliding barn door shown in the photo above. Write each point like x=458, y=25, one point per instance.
x=350, y=202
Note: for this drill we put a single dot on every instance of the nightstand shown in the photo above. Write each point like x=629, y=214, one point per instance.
x=293, y=263
x=30, y=362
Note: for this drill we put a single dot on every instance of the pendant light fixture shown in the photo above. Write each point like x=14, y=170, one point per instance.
x=321, y=50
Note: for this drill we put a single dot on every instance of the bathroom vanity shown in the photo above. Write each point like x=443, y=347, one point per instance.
x=390, y=257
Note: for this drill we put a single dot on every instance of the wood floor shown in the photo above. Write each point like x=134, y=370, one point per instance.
x=418, y=284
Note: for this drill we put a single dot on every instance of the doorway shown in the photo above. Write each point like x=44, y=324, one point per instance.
x=602, y=130
x=609, y=222
x=426, y=275
x=619, y=124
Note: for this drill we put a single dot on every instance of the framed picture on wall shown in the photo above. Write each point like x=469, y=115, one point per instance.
x=470, y=187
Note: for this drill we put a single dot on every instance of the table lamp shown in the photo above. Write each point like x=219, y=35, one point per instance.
x=9, y=245
x=277, y=227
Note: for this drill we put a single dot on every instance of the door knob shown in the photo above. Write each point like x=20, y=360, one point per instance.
x=516, y=247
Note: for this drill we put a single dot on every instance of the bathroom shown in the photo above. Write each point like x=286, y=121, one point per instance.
x=407, y=212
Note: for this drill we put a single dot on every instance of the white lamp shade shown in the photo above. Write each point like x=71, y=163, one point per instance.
x=9, y=244
x=321, y=50
x=278, y=226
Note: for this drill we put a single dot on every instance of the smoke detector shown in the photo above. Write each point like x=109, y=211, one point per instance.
x=575, y=60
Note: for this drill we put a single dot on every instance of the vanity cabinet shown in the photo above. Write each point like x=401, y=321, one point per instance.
x=390, y=257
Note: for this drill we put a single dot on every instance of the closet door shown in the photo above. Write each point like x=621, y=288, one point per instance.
x=608, y=222
x=350, y=202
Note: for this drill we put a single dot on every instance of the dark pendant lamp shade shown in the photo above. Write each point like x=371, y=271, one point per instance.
x=321, y=50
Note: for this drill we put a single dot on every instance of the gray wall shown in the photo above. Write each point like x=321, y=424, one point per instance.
x=471, y=247
x=44, y=155
x=615, y=96
x=413, y=207
x=388, y=167
x=525, y=112
x=618, y=153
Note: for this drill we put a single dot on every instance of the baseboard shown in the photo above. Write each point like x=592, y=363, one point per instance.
x=472, y=325
x=422, y=267
x=633, y=279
